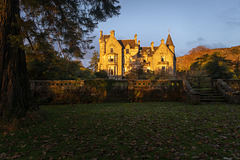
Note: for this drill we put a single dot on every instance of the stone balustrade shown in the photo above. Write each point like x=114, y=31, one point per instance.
x=229, y=89
x=192, y=95
x=71, y=91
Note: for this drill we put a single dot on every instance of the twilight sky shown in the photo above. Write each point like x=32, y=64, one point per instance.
x=212, y=23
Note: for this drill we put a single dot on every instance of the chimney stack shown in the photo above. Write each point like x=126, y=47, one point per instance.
x=101, y=33
x=152, y=46
x=135, y=37
x=112, y=33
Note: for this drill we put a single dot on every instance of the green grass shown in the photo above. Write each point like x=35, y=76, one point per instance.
x=164, y=130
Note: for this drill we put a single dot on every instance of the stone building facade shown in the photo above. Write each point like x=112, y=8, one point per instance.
x=118, y=57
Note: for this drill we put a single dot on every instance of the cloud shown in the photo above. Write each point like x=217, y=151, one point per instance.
x=230, y=17
x=202, y=42
x=197, y=42
x=215, y=45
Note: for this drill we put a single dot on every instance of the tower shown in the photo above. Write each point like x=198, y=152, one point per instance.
x=170, y=44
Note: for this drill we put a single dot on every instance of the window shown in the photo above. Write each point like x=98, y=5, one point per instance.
x=162, y=58
x=163, y=68
x=111, y=50
x=112, y=70
x=115, y=70
x=110, y=59
x=127, y=50
x=144, y=60
x=130, y=60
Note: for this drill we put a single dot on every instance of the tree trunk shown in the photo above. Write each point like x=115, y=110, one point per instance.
x=15, y=95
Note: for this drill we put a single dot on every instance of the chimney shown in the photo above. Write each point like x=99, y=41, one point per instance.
x=162, y=41
x=139, y=42
x=112, y=33
x=152, y=46
x=101, y=33
x=135, y=37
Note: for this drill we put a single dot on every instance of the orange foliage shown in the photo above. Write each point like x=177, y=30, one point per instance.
x=184, y=62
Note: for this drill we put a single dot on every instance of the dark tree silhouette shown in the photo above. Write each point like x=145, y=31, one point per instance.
x=94, y=61
x=37, y=26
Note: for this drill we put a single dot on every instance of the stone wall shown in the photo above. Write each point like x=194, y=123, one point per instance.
x=229, y=89
x=96, y=91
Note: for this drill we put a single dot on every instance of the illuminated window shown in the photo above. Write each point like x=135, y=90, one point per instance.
x=110, y=59
x=110, y=71
x=162, y=58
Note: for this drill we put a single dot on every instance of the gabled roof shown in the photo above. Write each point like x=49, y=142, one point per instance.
x=145, y=49
x=104, y=37
x=169, y=40
x=124, y=43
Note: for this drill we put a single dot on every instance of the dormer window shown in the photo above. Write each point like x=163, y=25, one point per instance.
x=127, y=50
x=111, y=50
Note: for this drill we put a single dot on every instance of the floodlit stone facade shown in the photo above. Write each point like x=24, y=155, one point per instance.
x=118, y=57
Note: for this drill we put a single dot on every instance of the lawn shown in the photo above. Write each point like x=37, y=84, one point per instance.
x=161, y=130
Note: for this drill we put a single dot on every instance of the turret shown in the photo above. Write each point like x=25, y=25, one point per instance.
x=170, y=44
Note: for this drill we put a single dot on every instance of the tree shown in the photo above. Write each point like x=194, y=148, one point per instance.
x=94, y=61
x=236, y=68
x=101, y=74
x=214, y=66
x=198, y=49
x=37, y=26
x=52, y=67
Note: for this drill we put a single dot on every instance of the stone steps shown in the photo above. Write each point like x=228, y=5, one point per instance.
x=210, y=95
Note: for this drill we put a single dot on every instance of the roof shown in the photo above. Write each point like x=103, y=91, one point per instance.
x=104, y=37
x=169, y=40
x=124, y=43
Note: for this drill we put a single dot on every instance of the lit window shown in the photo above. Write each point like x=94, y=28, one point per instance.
x=115, y=70
x=162, y=58
x=110, y=59
x=110, y=71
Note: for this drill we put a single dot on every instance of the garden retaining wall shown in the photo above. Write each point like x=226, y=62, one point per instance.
x=97, y=91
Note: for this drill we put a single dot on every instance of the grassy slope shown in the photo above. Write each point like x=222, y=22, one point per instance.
x=184, y=62
x=121, y=130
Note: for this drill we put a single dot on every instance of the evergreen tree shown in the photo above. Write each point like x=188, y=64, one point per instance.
x=94, y=61
x=37, y=26
x=214, y=66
